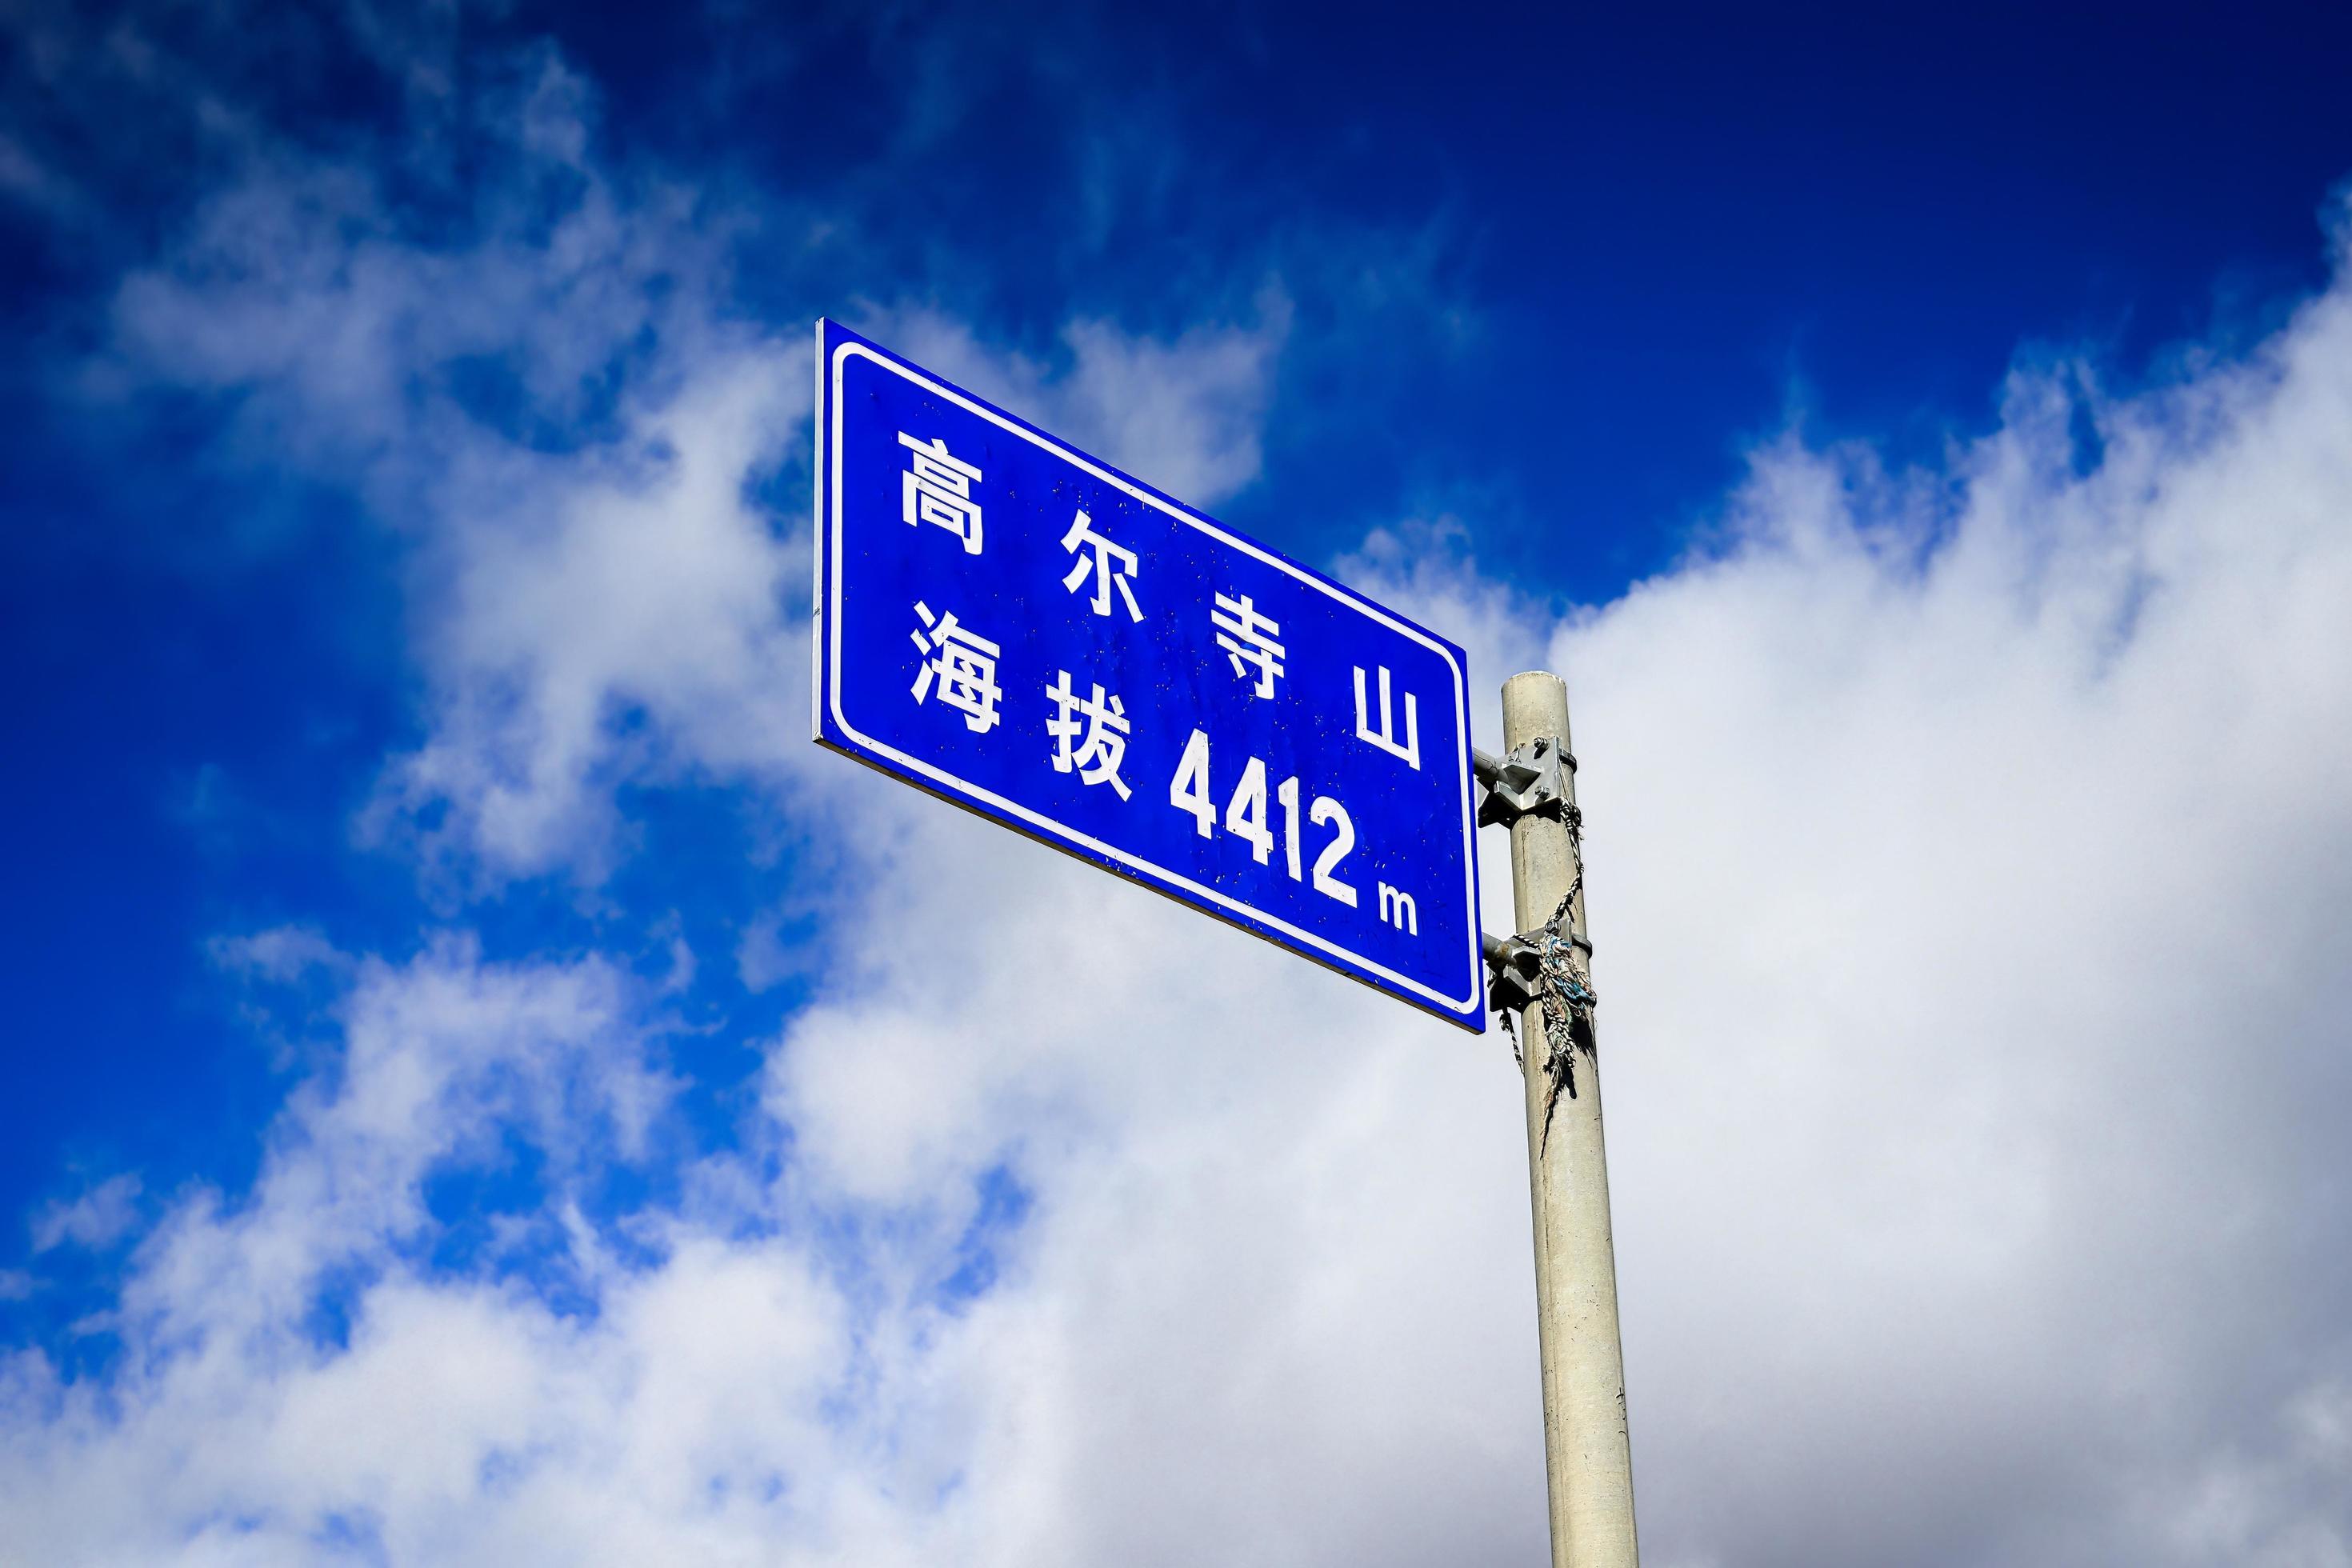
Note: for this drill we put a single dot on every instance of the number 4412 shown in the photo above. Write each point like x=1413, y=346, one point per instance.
x=1246, y=815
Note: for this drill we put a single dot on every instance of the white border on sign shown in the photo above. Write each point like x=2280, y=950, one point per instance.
x=818, y=468
x=829, y=465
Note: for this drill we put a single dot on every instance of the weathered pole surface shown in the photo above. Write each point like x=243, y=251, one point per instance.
x=1586, y=1447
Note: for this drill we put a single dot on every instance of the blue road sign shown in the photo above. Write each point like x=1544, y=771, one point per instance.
x=1026, y=631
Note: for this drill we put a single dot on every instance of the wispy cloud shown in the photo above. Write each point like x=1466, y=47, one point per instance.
x=98, y=1218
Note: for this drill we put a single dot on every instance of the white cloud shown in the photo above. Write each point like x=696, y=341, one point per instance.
x=98, y=1218
x=1968, y=850
x=2280, y=1505
x=232, y=1425
x=279, y=955
x=615, y=617
x=1960, y=866
x=1972, y=1058
x=1182, y=415
x=1963, y=846
x=624, y=607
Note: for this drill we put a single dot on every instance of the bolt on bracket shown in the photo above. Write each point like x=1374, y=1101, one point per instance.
x=1529, y=782
x=1514, y=966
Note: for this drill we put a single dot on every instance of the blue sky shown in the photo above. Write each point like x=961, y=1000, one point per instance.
x=402, y=591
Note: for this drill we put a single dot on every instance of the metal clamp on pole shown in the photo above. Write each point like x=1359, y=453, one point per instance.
x=1514, y=966
x=1528, y=782
x=1514, y=970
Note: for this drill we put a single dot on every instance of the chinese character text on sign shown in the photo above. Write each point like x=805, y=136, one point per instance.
x=936, y=488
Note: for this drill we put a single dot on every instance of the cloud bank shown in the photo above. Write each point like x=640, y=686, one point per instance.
x=1969, y=852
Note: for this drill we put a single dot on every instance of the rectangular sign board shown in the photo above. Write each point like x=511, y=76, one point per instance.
x=1027, y=631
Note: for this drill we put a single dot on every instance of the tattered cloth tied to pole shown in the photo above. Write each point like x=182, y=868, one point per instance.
x=1560, y=988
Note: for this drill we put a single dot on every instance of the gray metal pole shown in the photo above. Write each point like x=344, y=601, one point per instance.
x=1585, y=1446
